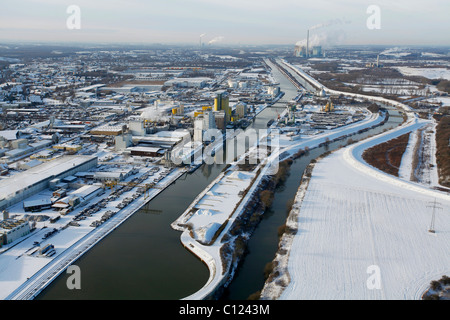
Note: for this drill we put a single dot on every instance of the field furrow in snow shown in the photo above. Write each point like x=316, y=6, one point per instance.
x=350, y=222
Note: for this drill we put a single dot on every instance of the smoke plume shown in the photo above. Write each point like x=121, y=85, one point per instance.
x=153, y=114
x=216, y=39
x=329, y=23
x=326, y=37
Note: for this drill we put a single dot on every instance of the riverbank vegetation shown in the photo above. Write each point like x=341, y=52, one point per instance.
x=443, y=149
x=438, y=290
x=387, y=156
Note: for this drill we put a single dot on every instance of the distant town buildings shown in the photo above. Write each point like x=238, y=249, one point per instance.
x=69, y=126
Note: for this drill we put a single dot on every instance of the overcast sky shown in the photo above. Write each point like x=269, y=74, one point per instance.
x=402, y=22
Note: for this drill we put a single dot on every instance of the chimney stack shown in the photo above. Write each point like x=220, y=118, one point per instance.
x=307, y=44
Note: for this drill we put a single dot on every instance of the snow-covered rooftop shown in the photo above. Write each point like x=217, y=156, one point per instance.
x=11, y=186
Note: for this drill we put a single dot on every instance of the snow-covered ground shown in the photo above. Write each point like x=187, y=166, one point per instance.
x=430, y=73
x=216, y=206
x=444, y=100
x=363, y=234
x=406, y=170
x=422, y=148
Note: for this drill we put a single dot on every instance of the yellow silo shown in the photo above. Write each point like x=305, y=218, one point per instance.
x=217, y=102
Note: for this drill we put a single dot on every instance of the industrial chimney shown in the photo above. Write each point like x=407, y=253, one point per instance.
x=307, y=44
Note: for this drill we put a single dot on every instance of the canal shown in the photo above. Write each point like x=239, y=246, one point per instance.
x=143, y=258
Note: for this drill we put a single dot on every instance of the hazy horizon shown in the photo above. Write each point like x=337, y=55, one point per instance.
x=234, y=22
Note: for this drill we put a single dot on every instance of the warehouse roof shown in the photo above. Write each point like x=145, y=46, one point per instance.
x=35, y=203
x=144, y=149
x=9, y=187
x=85, y=191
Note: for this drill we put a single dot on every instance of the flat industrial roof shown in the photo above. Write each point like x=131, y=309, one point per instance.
x=144, y=149
x=85, y=191
x=38, y=202
x=14, y=184
x=91, y=87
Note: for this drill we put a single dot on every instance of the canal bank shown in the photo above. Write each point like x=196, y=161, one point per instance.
x=263, y=245
x=222, y=267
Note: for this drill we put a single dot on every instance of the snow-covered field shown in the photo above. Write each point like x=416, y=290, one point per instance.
x=422, y=142
x=364, y=235
x=444, y=100
x=216, y=206
x=405, y=170
x=430, y=73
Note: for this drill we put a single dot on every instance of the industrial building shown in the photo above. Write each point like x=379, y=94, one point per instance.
x=329, y=107
x=203, y=122
x=68, y=147
x=20, y=147
x=143, y=151
x=222, y=102
x=78, y=197
x=219, y=118
x=241, y=110
x=317, y=51
x=108, y=130
x=305, y=51
x=137, y=128
x=300, y=51
x=12, y=229
x=109, y=176
x=24, y=184
x=37, y=205
x=122, y=142
x=162, y=139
